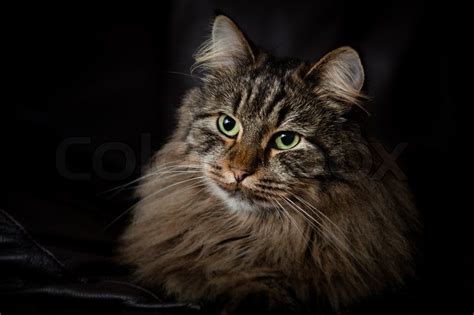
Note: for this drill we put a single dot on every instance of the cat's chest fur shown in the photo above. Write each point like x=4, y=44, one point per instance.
x=190, y=221
x=183, y=237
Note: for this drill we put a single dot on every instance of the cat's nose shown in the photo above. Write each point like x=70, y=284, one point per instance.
x=240, y=175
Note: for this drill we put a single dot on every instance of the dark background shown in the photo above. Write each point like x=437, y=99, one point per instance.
x=108, y=81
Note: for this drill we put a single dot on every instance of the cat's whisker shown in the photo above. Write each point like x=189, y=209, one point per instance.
x=316, y=212
x=321, y=215
x=173, y=173
x=324, y=217
x=170, y=174
x=278, y=211
x=141, y=179
x=169, y=166
x=173, y=168
x=173, y=164
x=333, y=240
x=150, y=196
x=182, y=73
x=170, y=186
x=312, y=224
x=340, y=244
x=272, y=186
x=120, y=187
x=162, y=163
x=325, y=231
x=290, y=218
x=154, y=173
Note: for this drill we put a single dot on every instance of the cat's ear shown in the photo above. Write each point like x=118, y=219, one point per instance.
x=339, y=74
x=227, y=47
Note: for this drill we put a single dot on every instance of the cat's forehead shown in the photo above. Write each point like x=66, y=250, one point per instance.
x=257, y=91
x=264, y=98
x=271, y=97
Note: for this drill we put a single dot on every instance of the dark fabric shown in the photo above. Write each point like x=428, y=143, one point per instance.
x=92, y=92
x=33, y=278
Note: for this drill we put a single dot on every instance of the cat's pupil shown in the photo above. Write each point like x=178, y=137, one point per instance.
x=228, y=123
x=287, y=138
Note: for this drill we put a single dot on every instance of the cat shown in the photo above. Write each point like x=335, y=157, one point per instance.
x=257, y=201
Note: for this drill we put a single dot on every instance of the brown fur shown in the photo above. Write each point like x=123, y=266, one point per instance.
x=353, y=239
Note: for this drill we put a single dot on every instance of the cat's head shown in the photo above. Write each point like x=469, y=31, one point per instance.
x=265, y=129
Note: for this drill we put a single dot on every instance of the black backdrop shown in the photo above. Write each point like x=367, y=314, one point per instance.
x=94, y=92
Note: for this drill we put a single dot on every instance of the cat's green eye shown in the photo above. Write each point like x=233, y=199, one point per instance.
x=286, y=140
x=228, y=126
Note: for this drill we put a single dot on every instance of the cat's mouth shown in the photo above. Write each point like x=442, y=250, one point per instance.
x=233, y=190
x=237, y=196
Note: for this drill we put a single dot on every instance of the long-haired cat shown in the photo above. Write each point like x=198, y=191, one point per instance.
x=258, y=200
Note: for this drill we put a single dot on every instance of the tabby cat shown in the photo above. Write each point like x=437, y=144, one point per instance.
x=258, y=200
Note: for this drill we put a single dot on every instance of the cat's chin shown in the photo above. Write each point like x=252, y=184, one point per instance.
x=236, y=200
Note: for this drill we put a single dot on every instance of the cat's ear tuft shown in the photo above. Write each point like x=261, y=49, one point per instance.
x=227, y=48
x=339, y=75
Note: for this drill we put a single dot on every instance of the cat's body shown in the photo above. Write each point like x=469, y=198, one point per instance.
x=297, y=227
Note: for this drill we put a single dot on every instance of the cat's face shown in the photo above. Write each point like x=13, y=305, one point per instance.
x=263, y=130
x=256, y=135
